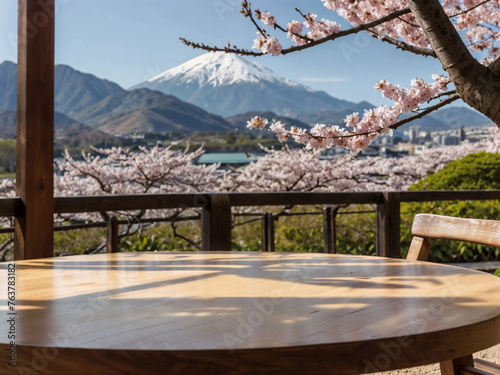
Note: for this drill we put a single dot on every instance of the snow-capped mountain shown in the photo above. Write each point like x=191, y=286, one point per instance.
x=227, y=84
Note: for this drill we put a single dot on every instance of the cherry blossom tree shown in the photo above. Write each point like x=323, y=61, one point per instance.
x=420, y=27
x=163, y=170
x=302, y=170
x=120, y=171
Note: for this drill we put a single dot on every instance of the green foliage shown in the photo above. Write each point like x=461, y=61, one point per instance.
x=79, y=241
x=299, y=234
x=356, y=233
x=160, y=237
x=141, y=243
x=497, y=272
x=246, y=237
x=475, y=171
x=304, y=233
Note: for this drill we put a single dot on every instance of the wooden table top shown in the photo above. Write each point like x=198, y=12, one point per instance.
x=245, y=313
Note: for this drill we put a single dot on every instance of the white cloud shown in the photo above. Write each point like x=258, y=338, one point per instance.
x=325, y=79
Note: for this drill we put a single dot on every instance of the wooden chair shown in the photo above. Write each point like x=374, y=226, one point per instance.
x=486, y=232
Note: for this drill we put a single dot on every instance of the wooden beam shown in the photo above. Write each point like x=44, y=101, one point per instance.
x=35, y=129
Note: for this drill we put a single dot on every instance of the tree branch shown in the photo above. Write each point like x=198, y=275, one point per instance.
x=228, y=49
x=405, y=46
x=176, y=234
x=247, y=12
x=442, y=103
x=454, y=96
x=468, y=10
x=354, y=30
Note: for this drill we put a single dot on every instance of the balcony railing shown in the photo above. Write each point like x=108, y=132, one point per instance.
x=216, y=211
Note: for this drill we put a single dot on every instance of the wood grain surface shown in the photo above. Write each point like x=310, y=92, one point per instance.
x=244, y=313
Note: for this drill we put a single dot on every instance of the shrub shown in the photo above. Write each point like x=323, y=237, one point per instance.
x=475, y=171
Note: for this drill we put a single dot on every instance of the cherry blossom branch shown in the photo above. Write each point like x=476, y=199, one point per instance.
x=247, y=12
x=270, y=20
x=228, y=49
x=407, y=22
x=404, y=46
x=428, y=110
x=374, y=122
x=351, y=31
x=285, y=51
x=469, y=9
x=352, y=134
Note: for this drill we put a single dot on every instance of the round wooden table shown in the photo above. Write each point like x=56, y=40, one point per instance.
x=243, y=313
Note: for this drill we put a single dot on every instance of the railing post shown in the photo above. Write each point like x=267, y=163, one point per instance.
x=268, y=232
x=388, y=225
x=112, y=235
x=216, y=223
x=329, y=229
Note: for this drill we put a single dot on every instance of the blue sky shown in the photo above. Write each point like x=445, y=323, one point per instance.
x=129, y=41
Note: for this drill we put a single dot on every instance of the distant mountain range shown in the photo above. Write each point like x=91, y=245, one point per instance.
x=192, y=97
x=227, y=84
x=67, y=131
x=147, y=111
x=8, y=86
x=76, y=91
x=105, y=106
x=73, y=90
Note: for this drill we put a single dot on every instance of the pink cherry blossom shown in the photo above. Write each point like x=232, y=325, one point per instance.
x=257, y=123
x=267, y=19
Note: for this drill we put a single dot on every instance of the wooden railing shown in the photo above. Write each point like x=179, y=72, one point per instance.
x=216, y=211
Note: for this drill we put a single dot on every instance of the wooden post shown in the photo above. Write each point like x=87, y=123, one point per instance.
x=216, y=224
x=268, y=232
x=112, y=235
x=388, y=226
x=329, y=229
x=35, y=129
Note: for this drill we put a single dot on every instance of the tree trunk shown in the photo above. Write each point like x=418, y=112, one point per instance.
x=477, y=85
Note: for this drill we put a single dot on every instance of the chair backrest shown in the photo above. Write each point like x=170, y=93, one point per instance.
x=427, y=226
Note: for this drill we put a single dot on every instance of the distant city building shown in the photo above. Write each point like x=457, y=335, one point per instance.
x=450, y=140
x=228, y=160
x=463, y=136
x=406, y=147
x=420, y=149
x=387, y=152
x=413, y=133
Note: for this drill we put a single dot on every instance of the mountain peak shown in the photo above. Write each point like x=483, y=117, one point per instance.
x=219, y=69
x=228, y=84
